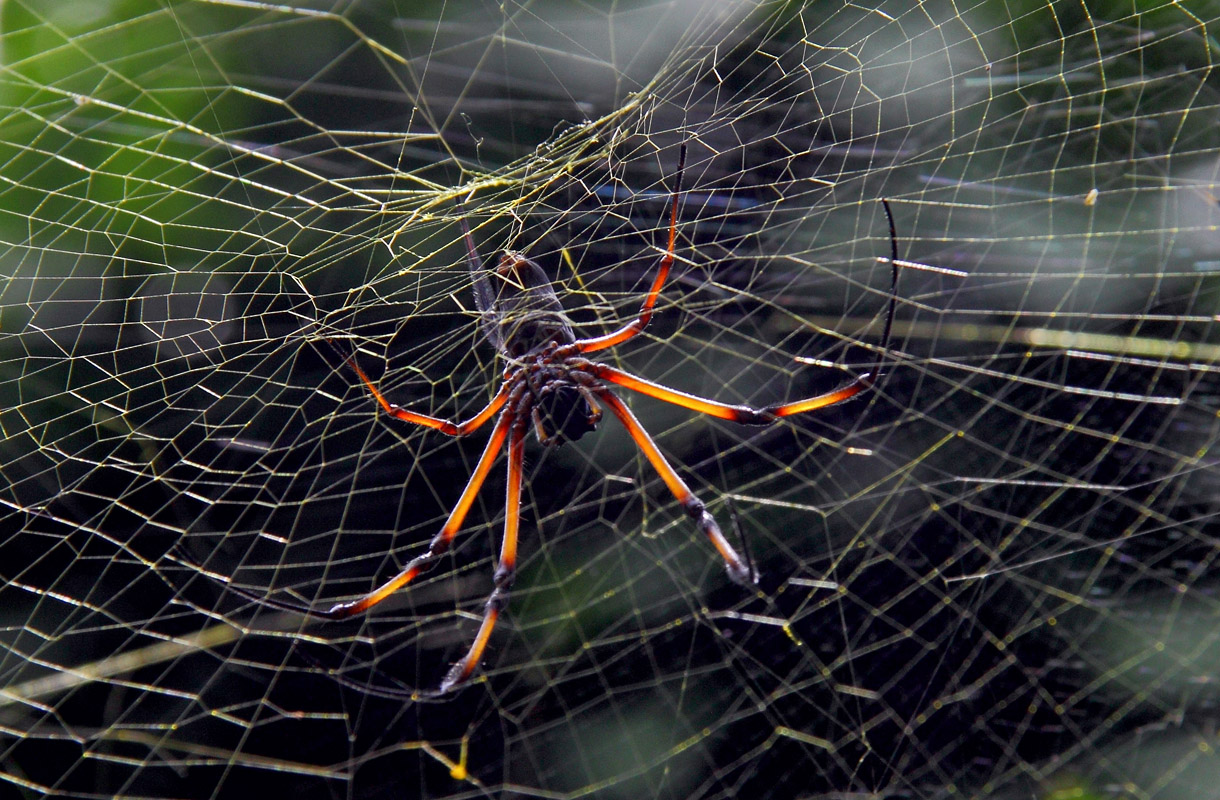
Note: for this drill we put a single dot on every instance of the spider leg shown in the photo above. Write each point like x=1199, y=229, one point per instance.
x=738, y=570
x=743, y=414
x=761, y=416
x=441, y=542
x=442, y=425
x=506, y=571
x=889, y=317
x=421, y=563
x=631, y=329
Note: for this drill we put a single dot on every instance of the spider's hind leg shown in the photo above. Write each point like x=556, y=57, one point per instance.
x=739, y=570
x=506, y=570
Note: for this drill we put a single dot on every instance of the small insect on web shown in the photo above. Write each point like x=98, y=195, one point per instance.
x=550, y=386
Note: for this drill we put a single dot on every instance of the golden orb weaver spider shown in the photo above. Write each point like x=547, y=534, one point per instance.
x=550, y=385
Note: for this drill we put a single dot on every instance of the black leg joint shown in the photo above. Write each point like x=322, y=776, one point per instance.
x=437, y=547
x=504, y=577
x=498, y=601
x=764, y=417
x=694, y=508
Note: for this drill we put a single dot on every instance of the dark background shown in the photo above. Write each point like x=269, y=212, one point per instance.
x=991, y=576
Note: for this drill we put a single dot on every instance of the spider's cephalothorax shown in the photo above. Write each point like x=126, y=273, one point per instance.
x=550, y=384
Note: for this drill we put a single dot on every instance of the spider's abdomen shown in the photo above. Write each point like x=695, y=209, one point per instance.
x=566, y=414
x=521, y=313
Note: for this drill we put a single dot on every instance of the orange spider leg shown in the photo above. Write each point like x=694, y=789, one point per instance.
x=421, y=563
x=442, y=425
x=735, y=413
x=637, y=325
x=740, y=413
x=847, y=392
x=506, y=572
x=440, y=543
x=693, y=506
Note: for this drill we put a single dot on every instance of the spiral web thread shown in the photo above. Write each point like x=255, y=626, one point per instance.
x=992, y=575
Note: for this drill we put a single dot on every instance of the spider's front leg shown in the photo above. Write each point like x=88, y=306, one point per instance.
x=739, y=571
x=637, y=325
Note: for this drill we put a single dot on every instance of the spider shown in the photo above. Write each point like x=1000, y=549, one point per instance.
x=550, y=385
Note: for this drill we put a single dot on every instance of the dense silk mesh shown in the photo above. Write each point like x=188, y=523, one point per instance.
x=992, y=575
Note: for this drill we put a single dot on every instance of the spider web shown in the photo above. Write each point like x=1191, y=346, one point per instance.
x=993, y=575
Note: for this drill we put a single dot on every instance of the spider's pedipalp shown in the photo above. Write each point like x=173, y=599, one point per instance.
x=559, y=400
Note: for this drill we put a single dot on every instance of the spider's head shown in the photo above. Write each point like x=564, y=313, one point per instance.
x=521, y=313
